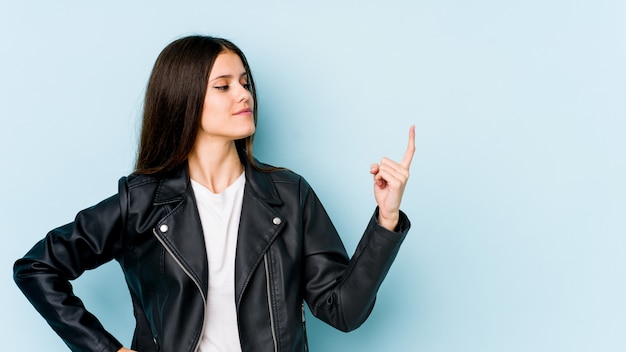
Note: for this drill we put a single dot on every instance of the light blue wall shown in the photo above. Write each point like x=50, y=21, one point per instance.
x=518, y=188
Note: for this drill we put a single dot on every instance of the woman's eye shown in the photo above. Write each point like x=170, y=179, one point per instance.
x=221, y=88
x=248, y=86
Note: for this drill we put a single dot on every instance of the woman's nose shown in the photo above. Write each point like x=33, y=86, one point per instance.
x=244, y=93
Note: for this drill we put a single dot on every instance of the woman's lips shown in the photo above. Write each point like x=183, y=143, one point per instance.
x=244, y=111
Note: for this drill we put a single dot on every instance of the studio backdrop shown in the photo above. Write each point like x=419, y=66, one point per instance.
x=517, y=190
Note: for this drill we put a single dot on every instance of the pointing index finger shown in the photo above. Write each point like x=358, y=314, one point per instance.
x=410, y=149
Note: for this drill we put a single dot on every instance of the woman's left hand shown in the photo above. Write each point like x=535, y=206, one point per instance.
x=390, y=179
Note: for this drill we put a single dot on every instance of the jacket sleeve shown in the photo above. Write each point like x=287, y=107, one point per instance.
x=340, y=290
x=43, y=274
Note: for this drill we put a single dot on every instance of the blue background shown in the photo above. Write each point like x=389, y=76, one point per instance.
x=517, y=194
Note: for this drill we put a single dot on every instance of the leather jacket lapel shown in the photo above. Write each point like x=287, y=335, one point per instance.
x=181, y=230
x=259, y=225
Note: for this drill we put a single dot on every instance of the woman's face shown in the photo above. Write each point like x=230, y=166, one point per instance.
x=228, y=103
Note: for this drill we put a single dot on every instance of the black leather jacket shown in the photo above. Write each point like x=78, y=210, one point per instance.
x=287, y=251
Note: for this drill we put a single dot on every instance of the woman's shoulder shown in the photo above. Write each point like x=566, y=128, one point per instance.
x=283, y=178
x=136, y=180
x=148, y=189
x=278, y=173
x=141, y=180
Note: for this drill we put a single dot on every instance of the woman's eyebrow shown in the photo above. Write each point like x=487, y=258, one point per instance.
x=227, y=76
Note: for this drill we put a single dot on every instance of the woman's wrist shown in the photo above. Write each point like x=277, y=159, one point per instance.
x=389, y=222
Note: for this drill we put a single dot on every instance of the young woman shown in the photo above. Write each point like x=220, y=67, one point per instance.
x=219, y=251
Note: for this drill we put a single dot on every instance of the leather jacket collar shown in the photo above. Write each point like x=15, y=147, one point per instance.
x=173, y=187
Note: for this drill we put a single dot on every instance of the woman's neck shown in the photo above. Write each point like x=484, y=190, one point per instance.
x=215, y=167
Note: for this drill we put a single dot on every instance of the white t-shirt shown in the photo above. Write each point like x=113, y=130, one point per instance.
x=220, y=215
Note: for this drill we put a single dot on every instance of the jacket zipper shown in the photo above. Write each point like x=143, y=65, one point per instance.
x=269, y=302
x=306, y=343
x=190, y=276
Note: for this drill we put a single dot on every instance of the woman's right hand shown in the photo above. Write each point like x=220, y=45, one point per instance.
x=124, y=349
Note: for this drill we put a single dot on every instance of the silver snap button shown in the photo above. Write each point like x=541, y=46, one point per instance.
x=164, y=228
x=276, y=221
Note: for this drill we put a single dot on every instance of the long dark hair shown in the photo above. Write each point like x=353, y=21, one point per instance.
x=174, y=101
